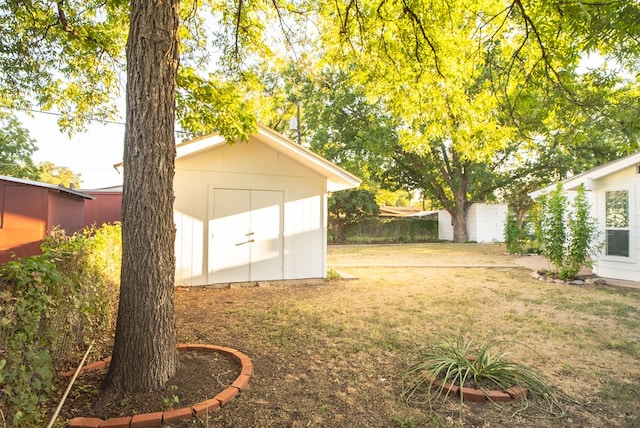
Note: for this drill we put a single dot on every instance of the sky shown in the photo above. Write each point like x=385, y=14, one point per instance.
x=91, y=154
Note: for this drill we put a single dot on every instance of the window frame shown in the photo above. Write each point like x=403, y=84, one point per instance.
x=629, y=228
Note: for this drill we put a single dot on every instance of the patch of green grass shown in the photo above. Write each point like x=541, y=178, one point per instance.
x=433, y=421
x=625, y=395
x=389, y=341
x=603, y=307
x=507, y=293
x=628, y=347
x=333, y=275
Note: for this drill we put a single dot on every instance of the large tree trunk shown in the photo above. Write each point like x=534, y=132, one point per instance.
x=459, y=220
x=144, y=353
x=459, y=215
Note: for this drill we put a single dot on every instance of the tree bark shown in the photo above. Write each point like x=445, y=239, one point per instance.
x=459, y=183
x=144, y=354
x=459, y=219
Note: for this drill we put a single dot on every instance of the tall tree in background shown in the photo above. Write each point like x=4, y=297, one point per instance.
x=59, y=175
x=430, y=63
x=347, y=208
x=431, y=68
x=466, y=78
x=16, y=149
x=344, y=126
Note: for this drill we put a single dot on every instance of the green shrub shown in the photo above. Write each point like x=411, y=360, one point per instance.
x=376, y=229
x=516, y=237
x=333, y=275
x=552, y=228
x=567, y=236
x=32, y=292
x=583, y=235
x=51, y=307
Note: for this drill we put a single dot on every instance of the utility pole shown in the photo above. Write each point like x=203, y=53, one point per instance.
x=295, y=125
x=298, y=122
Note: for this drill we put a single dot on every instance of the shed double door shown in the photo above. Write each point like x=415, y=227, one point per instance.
x=246, y=239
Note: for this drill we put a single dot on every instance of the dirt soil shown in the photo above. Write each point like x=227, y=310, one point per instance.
x=319, y=359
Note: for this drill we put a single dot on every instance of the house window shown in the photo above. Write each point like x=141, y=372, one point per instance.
x=617, y=223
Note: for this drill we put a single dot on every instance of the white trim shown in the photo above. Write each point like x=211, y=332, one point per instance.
x=589, y=176
x=337, y=178
x=601, y=215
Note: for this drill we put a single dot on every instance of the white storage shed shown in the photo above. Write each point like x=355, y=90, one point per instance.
x=252, y=211
x=485, y=223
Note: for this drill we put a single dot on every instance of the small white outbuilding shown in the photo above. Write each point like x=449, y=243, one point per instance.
x=485, y=223
x=252, y=211
x=613, y=190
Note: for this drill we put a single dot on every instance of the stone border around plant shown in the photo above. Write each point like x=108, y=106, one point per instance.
x=159, y=418
x=541, y=275
x=478, y=395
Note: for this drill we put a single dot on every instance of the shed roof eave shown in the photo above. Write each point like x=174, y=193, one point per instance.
x=572, y=183
x=336, y=185
x=51, y=187
x=337, y=178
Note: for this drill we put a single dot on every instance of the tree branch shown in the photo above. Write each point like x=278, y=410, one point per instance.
x=416, y=21
x=67, y=28
x=530, y=25
x=237, y=32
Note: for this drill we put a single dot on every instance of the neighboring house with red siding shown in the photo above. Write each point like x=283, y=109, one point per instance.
x=105, y=207
x=30, y=209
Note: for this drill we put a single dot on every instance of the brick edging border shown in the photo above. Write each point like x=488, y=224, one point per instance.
x=478, y=395
x=159, y=418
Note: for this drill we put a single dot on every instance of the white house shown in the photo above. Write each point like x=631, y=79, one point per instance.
x=485, y=223
x=253, y=211
x=614, y=193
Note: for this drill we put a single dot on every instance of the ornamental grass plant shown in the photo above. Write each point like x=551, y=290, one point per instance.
x=484, y=366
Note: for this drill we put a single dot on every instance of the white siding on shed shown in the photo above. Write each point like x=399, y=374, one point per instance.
x=625, y=268
x=251, y=211
x=305, y=238
x=445, y=227
x=485, y=223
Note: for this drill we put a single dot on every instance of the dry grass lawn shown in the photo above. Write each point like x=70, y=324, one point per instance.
x=333, y=354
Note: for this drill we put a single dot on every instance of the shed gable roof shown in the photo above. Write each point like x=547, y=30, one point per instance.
x=337, y=178
x=596, y=173
x=603, y=170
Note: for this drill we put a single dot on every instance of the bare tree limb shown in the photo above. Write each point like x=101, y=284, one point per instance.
x=531, y=26
x=237, y=30
x=415, y=19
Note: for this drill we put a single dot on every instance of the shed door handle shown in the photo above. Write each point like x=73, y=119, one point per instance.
x=245, y=242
